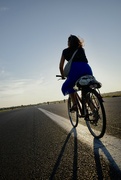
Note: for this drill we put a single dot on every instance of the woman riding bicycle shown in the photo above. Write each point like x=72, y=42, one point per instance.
x=79, y=66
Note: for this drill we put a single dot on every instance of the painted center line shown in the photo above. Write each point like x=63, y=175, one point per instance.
x=108, y=146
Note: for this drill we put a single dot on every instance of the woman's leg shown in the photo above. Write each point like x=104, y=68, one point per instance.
x=73, y=97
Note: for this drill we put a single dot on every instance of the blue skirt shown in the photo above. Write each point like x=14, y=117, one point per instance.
x=77, y=70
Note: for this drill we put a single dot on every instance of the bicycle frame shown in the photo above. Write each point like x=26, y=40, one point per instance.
x=83, y=100
x=83, y=103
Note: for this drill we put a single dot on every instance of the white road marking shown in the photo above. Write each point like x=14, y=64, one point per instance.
x=108, y=146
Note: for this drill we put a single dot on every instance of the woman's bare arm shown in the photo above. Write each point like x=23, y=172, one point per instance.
x=61, y=65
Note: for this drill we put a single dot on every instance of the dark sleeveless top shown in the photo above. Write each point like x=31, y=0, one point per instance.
x=79, y=56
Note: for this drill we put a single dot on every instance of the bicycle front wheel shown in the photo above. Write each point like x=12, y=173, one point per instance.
x=73, y=116
x=96, y=119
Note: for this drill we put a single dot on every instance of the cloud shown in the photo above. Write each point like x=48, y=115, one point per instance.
x=13, y=87
x=23, y=91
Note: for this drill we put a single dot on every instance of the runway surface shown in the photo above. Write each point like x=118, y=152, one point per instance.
x=34, y=146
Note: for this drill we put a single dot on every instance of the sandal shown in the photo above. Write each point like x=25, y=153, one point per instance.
x=73, y=108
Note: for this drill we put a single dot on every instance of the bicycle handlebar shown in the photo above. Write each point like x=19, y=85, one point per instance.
x=58, y=76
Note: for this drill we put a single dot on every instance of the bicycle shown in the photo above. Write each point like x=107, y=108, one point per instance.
x=89, y=106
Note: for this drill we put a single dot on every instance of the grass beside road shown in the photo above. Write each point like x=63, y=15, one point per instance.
x=104, y=95
x=112, y=94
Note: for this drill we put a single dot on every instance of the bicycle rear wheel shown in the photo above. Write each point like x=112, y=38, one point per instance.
x=96, y=120
x=73, y=116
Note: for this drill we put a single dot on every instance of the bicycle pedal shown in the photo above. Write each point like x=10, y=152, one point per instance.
x=81, y=116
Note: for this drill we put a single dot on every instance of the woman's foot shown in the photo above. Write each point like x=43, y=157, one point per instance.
x=73, y=108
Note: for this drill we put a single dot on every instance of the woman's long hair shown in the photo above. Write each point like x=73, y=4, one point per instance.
x=75, y=42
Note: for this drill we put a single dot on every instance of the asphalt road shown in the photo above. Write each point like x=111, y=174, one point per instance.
x=33, y=147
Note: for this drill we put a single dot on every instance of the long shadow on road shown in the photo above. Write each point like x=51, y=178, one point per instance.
x=115, y=172
x=74, y=132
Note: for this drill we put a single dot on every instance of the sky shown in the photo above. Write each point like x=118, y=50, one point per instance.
x=33, y=34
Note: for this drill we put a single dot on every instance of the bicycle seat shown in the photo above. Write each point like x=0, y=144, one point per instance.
x=88, y=80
